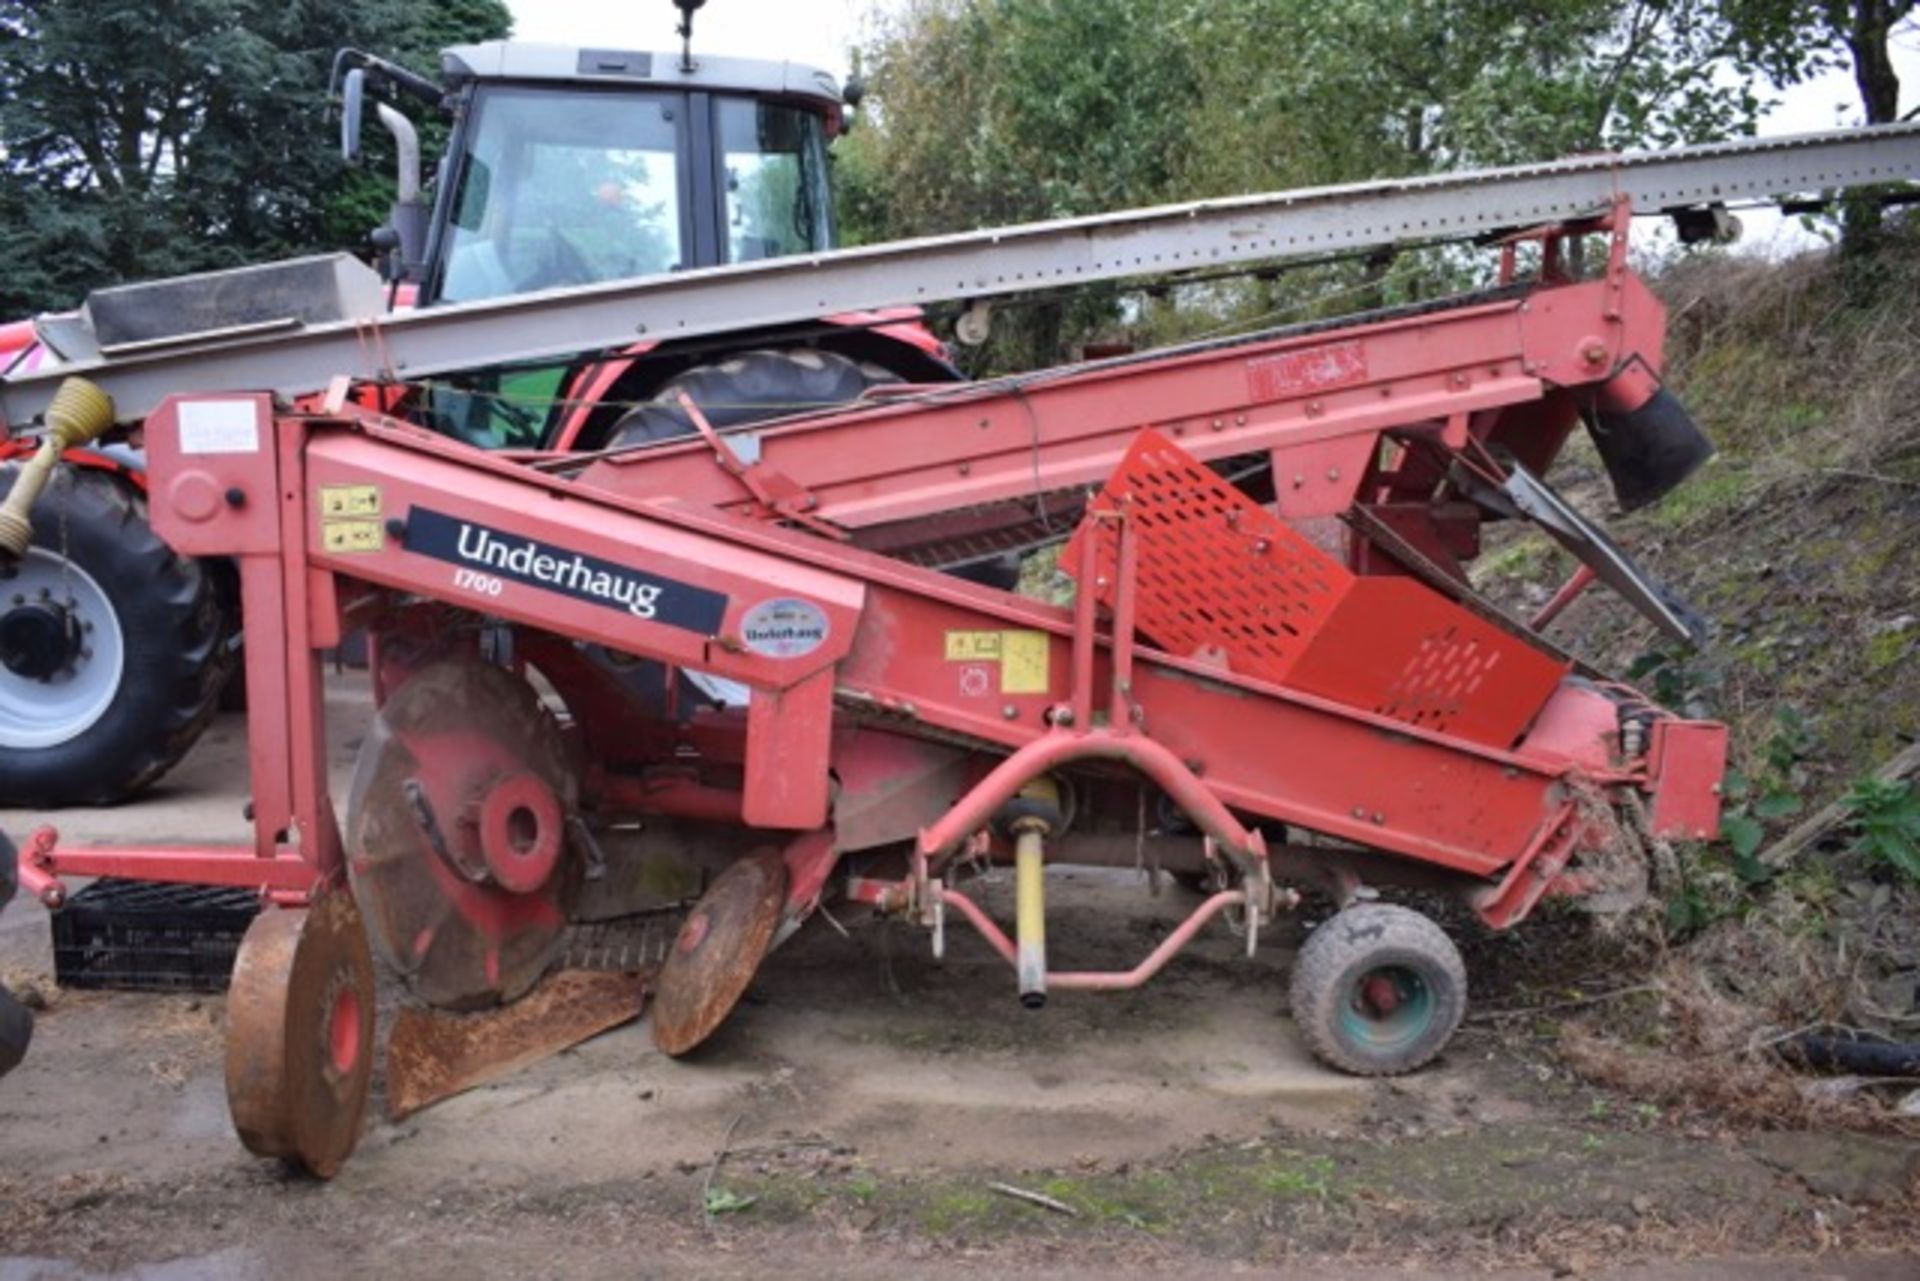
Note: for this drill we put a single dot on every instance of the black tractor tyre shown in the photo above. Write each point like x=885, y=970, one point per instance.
x=1378, y=990
x=173, y=632
x=16, y=1023
x=749, y=388
x=758, y=385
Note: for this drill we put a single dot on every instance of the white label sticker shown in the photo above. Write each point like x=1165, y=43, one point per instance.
x=784, y=628
x=218, y=427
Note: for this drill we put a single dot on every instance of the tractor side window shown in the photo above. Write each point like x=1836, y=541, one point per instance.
x=563, y=188
x=775, y=161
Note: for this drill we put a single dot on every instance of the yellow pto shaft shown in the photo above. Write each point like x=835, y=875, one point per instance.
x=79, y=413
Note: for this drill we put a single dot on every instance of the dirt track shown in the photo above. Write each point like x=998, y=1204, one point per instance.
x=871, y=1096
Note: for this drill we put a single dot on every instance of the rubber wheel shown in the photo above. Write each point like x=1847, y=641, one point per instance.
x=16, y=1022
x=757, y=385
x=300, y=1023
x=749, y=388
x=101, y=745
x=1378, y=990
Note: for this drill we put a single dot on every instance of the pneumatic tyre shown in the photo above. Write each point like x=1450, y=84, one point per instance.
x=1378, y=990
x=749, y=388
x=757, y=385
x=113, y=648
x=16, y=1022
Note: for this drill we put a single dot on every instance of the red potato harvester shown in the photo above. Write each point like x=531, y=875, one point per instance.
x=1273, y=673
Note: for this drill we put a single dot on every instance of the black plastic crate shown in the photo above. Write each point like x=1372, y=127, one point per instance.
x=140, y=936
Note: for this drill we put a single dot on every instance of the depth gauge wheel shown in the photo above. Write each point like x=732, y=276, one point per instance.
x=717, y=952
x=300, y=1033
x=1378, y=990
x=112, y=648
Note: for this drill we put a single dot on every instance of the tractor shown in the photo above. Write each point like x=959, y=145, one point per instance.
x=563, y=166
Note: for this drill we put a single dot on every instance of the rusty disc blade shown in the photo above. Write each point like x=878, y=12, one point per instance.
x=300, y=1033
x=432, y=1055
x=717, y=951
x=445, y=739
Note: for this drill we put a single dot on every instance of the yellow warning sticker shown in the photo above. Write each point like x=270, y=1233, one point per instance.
x=349, y=500
x=352, y=536
x=1023, y=663
x=1023, y=657
x=973, y=647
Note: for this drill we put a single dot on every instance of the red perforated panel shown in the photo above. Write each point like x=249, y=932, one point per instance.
x=1218, y=575
x=1221, y=577
x=1399, y=648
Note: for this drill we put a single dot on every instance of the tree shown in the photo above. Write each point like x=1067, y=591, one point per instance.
x=989, y=111
x=1792, y=40
x=147, y=139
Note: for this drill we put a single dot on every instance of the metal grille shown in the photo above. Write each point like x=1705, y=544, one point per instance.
x=1221, y=578
x=1447, y=669
x=1218, y=576
x=137, y=936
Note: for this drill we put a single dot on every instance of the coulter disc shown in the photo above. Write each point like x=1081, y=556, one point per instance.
x=717, y=951
x=300, y=1033
x=456, y=835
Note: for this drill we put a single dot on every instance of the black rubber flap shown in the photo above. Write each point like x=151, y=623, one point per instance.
x=1650, y=450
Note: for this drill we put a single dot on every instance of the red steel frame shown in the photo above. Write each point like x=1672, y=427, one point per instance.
x=1364, y=416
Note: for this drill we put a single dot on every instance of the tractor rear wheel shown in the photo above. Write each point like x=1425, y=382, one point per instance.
x=749, y=388
x=113, y=649
x=758, y=385
x=1378, y=990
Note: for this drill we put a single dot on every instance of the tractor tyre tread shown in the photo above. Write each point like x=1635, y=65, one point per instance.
x=175, y=635
x=747, y=388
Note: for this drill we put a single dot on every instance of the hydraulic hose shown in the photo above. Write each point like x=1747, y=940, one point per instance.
x=79, y=413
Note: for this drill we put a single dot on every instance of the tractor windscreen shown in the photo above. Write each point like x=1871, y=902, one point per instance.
x=563, y=188
x=775, y=159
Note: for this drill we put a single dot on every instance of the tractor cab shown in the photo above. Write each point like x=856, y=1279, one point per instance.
x=571, y=166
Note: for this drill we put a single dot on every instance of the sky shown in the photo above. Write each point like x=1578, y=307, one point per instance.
x=819, y=32
x=816, y=32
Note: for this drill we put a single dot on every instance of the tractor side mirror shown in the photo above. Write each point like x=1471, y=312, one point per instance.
x=852, y=94
x=353, y=98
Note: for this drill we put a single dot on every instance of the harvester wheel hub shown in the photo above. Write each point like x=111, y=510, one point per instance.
x=718, y=950
x=522, y=831
x=299, y=1021
x=456, y=835
x=343, y=1030
x=39, y=639
x=1380, y=995
x=1390, y=1005
x=61, y=652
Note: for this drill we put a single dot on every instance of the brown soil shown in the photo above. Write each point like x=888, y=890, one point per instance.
x=872, y=1096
